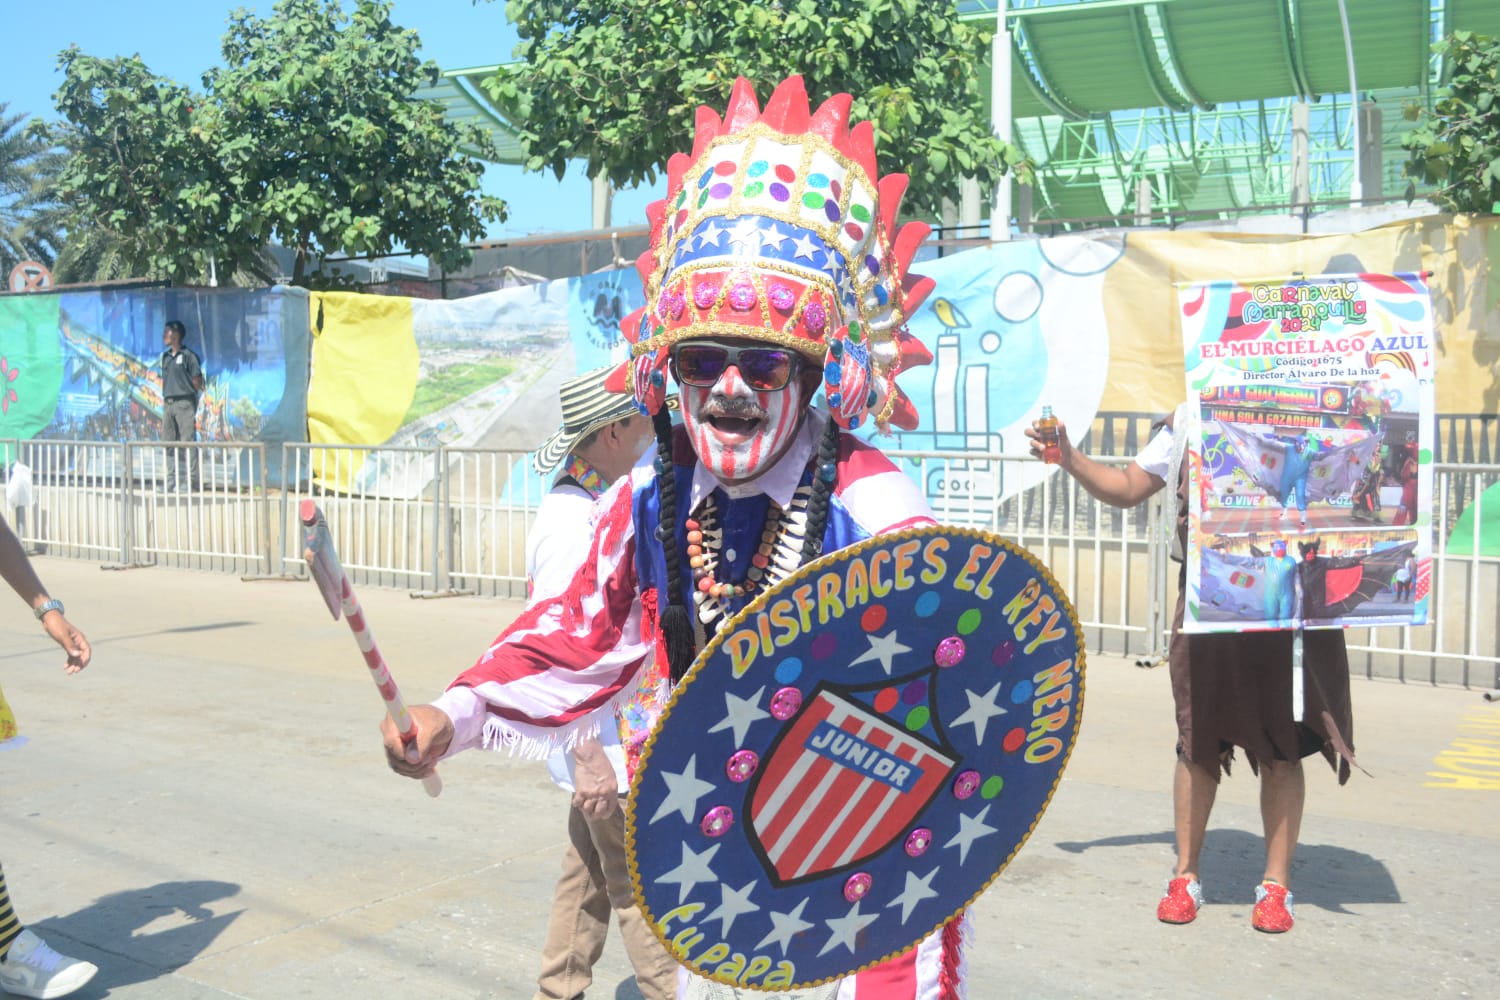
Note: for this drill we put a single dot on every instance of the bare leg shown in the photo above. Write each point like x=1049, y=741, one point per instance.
x=1282, y=793
x=1193, y=791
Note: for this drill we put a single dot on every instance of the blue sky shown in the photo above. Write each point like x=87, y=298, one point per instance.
x=180, y=39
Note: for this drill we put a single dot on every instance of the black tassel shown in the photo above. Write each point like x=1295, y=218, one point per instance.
x=676, y=624
x=677, y=631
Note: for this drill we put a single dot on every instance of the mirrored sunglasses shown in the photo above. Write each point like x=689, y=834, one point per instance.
x=764, y=369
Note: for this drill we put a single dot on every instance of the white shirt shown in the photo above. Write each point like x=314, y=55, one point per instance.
x=1156, y=457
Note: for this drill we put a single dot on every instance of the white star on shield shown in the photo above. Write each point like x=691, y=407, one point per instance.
x=883, y=649
x=970, y=829
x=694, y=869
x=732, y=903
x=845, y=929
x=784, y=927
x=917, y=889
x=981, y=710
x=741, y=713
x=684, y=789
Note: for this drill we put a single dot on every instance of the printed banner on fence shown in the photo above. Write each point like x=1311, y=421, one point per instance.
x=1012, y=327
x=481, y=372
x=85, y=365
x=1309, y=452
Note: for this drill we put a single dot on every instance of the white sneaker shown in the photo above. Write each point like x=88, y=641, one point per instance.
x=32, y=969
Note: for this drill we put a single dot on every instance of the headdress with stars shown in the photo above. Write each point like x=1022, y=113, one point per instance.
x=778, y=228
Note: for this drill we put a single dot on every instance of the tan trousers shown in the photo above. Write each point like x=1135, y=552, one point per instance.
x=596, y=879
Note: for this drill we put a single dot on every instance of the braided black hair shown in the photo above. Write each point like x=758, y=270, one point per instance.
x=676, y=623
x=824, y=474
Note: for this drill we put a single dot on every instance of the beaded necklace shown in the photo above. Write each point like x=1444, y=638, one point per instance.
x=777, y=555
x=584, y=475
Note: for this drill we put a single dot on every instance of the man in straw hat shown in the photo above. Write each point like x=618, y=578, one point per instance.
x=775, y=268
x=601, y=437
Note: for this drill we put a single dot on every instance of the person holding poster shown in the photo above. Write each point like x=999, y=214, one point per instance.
x=1230, y=690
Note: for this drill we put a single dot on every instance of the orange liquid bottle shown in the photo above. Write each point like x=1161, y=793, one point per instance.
x=1047, y=428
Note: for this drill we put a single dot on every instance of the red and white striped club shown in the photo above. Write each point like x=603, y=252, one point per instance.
x=333, y=583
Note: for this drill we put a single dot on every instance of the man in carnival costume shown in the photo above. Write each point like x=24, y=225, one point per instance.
x=775, y=265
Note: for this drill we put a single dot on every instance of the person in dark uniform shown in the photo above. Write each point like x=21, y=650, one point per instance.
x=181, y=384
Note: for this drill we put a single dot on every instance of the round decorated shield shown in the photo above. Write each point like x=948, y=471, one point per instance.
x=855, y=757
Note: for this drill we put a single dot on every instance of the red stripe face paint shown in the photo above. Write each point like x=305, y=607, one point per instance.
x=738, y=432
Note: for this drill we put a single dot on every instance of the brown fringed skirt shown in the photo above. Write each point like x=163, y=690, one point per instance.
x=1235, y=690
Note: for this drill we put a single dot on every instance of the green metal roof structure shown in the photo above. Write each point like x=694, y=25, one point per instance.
x=1086, y=58
x=461, y=93
x=1193, y=96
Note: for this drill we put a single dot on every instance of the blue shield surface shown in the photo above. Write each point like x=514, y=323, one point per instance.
x=855, y=757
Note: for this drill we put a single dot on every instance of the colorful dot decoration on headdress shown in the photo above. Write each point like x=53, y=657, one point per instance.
x=777, y=228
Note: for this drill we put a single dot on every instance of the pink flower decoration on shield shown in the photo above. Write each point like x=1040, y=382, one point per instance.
x=7, y=376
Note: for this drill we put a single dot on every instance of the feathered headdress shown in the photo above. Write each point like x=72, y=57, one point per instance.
x=776, y=228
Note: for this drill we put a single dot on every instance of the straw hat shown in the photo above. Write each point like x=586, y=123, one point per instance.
x=586, y=406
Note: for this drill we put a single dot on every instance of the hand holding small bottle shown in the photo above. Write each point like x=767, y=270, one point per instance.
x=1049, y=440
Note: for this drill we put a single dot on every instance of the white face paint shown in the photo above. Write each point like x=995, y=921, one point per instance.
x=738, y=432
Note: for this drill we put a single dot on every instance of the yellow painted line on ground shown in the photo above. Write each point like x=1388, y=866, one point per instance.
x=1472, y=761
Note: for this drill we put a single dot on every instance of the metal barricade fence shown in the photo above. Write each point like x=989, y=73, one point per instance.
x=78, y=498
x=197, y=505
x=1460, y=645
x=487, y=515
x=382, y=505
x=444, y=519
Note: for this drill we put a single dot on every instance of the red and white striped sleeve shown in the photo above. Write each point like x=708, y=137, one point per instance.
x=542, y=684
x=878, y=495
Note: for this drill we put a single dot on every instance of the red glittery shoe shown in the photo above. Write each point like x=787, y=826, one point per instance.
x=1180, y=904
x=1273, y=908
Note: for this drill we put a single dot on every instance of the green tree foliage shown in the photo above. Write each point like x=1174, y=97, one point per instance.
x=1457, y=147
x=617, y=82
x=28, y=217
x=306, y=135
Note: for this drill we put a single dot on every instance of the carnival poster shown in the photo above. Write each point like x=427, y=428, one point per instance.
x=1310, y=419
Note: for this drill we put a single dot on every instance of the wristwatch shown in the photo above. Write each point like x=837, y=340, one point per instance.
x=51, y=604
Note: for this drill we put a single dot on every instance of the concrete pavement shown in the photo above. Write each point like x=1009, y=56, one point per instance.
x=205, y=813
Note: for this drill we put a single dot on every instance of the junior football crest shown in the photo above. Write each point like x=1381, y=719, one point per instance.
x=855, y=757
x=839, y=747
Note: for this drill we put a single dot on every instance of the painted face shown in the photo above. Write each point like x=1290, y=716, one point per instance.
x=1278, y=549
x=739, y=432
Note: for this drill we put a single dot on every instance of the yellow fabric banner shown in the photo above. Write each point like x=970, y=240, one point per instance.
x=364, y=375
